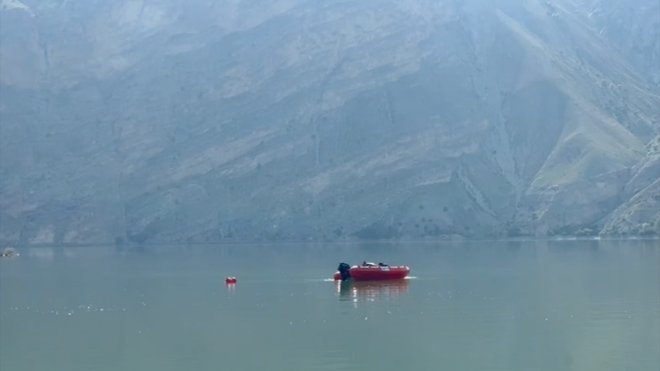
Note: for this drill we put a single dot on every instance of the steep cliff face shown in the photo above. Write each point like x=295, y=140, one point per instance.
x=152, y=121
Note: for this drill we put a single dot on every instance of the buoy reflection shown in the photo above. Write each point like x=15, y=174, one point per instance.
x=370, y=290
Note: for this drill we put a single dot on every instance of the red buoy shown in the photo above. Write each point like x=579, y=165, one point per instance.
x=230, y=280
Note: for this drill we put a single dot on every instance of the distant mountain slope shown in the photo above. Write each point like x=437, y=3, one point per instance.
x=168, y=121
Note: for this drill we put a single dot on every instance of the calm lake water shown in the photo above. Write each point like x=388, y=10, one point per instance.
x=536, y=305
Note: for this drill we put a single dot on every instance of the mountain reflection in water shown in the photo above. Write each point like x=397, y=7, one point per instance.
x=370, y=290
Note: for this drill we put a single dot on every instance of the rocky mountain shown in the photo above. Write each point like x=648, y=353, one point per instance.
x=152, y=121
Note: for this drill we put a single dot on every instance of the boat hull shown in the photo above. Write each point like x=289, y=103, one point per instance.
x=376, y=273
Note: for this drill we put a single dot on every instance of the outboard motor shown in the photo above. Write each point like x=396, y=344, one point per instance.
x=345, y=271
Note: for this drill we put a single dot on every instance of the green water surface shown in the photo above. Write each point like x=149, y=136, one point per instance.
x=509, y=306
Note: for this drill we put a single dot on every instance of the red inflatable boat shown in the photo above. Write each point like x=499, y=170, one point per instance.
x=372, y=272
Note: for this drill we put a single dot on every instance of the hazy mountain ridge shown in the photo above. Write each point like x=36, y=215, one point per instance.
x=161, y=121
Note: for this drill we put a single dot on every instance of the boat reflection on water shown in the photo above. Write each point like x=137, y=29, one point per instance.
x=370, y=290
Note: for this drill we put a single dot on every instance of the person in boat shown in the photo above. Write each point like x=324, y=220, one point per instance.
x=345, y=271
x=368, y=264
x=383, y=265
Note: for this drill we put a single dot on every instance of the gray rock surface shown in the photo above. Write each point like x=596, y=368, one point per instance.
x=138, y=121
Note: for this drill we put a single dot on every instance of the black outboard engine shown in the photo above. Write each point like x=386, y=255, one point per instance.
x=345, y=271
